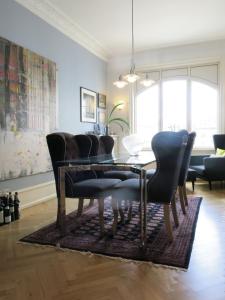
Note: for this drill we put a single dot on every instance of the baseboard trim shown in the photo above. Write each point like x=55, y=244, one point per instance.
x=37, y=194
x=38, y=201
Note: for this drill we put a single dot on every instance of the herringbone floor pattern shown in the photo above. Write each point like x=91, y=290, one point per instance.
x=35, y=272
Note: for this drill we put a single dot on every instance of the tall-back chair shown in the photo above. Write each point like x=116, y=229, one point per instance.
x=106, y=144
x=168, y=148
x=81, y=185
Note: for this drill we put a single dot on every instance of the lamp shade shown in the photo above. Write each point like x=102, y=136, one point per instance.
x=147, y=81
x=120, y=83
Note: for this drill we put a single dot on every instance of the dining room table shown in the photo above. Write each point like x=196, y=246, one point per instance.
x=124, y=162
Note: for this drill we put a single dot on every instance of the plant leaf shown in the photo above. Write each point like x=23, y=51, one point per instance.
x=117, y=123
x=120, y=120
x=113, y=109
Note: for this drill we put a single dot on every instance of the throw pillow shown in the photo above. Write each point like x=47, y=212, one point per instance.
x=220, y=152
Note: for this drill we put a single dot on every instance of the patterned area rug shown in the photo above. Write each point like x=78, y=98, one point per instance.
x=83, y=234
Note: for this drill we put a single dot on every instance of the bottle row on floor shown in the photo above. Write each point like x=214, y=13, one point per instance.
x=9, y=207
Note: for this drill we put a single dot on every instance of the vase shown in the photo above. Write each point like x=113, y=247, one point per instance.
x=106, y=130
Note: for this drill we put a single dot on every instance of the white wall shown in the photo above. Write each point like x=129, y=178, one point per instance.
x=166, y=57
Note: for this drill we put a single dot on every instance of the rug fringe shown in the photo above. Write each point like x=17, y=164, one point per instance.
x=91, y=254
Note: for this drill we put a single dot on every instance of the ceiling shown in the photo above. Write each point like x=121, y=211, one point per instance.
x=158, y=23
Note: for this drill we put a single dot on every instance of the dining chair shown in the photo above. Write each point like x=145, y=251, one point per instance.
x=83, y=184
x=168, y=148
x=184, y=168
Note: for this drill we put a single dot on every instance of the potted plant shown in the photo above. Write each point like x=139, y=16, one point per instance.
x=116, y=120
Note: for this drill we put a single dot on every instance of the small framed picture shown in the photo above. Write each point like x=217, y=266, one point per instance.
x=88, y=105
x=101, y=116
x=101, y=101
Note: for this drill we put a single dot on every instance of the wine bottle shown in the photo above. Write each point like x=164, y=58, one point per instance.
x=11, y=207
x=7, y=215
x=16, y=206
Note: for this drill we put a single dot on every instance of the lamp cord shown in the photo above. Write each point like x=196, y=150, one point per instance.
x=132, y=26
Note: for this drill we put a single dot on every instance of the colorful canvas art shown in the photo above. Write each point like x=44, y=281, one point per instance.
x=27, y=110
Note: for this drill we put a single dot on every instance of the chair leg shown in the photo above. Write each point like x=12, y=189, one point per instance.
x=193, y=185
x=126, y=204
x=181, y=200
x=91, y=203
x=121, y=211
x=185, y=194
x=101, y=214
x=80, y=207
x=130, y=211
x=174, y=211
x=166, y=208
x=115, y=213
x=210, y=185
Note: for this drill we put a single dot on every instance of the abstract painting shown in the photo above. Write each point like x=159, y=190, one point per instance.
x=27, y=110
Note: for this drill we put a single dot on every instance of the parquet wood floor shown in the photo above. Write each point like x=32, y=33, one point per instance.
x=33, y=272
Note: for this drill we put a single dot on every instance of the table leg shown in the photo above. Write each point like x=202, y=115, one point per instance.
x=145, y=205
x=141, y=209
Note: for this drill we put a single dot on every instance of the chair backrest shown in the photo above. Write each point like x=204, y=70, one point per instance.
x=95, y=144
x=106, y=144
x=186, y=158
x=219, y=141
x=65, y=146
x=168, y=148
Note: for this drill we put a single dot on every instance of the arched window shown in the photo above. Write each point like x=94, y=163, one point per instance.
x=180, y=99
x=147, y=113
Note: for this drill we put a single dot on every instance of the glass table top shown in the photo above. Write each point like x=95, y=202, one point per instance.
x=142, y=159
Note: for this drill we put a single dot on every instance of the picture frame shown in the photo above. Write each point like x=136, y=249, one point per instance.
x=101, y=101
x=101, y=116
x=88, y=105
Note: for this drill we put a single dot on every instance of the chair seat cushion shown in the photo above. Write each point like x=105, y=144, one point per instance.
x=93, y=188
x=123, y=175
x=150, y=173
x=127, y=190
x=200, y=170
x=191, y=175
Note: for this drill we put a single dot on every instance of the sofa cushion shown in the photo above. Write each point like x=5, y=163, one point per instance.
x=199, y=169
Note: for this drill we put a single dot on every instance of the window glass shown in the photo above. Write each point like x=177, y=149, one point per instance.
x=203, y=113
x=174, y=96
x=147, y=114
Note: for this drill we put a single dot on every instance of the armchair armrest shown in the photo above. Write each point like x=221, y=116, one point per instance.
x=215, y=167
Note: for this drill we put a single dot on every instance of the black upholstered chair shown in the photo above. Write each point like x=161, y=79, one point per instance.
x=210, y=168
x=106, y=144
x=168, y=148
x=184, y=170
x=82, y=184
x=219, y=141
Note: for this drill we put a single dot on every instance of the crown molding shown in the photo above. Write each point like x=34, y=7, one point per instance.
x=52, y=15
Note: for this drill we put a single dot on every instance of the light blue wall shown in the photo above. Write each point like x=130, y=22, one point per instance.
x=76, y=66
